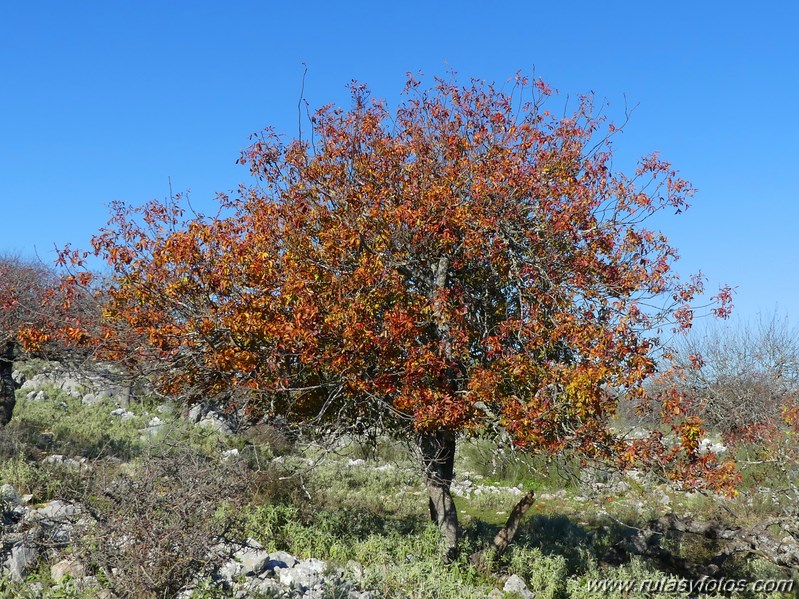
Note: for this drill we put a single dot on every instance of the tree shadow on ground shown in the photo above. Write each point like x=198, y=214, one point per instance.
x=574, y=539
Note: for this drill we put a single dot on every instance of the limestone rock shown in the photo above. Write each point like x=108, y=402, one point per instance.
x=67, y=567
x=9, y=494
x=214, y=421
x=515, y=584
x=20, y=562
x=306, y=574
x=123, y=414
x=57, y=510
x=281, y=559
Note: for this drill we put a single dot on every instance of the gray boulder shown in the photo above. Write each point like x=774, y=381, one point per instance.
x=253, y=561
x=65, y=462
x=215, y=422
x=21, y=561
x=19, y=378
x=515, y=584
x=37, y=381
x=196, y=413
x=9, y=494
x=256, y=587
x=281, y=559
x=123, y=414
x=36, y=396
x=305, y=575
x=56, y=510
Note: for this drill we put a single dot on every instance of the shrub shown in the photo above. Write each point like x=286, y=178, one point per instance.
x=156, y=529
x=545, y=574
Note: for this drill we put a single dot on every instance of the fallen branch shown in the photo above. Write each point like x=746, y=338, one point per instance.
x=505, y=535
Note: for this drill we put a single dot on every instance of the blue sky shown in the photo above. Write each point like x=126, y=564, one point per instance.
x=102, y=101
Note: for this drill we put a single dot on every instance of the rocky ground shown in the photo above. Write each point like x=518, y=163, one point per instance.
x=248, y=571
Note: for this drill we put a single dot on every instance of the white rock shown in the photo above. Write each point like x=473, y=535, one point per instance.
x=281, y=559
x=62, y=460
x=314, y=565
x=708, y=445
x=230, y=570
x=195, y=413
x=306, y=574
x=213, y=421
x=253, y=561
x=36, y=381
x=230, y=454
x=57, y=510
x=264, y=587
x=123, y=414
x=65, y=567
x=516, y=585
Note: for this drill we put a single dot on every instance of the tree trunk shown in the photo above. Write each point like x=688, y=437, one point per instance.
x=7, y=391
x=504, y=537
x=438, y=448
x=438, y=454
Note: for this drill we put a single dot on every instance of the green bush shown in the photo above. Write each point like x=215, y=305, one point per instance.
x=545, y=574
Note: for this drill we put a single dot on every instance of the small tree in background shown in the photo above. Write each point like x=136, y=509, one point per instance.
x=742, y=378
x=744, y=383
x=44, y=314
x=25, y=292
x=468, y=263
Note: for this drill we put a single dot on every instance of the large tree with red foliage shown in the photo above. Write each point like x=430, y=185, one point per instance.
x=468, y=262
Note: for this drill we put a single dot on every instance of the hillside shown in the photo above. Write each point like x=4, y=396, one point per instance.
x=108, y=491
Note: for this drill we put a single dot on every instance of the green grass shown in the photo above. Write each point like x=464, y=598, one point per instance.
x=63, y=424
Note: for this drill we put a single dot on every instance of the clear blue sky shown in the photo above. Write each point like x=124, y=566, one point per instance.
x=107, y=100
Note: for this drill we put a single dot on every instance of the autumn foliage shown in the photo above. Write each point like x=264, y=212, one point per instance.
x=32, y=307
x=465, y=263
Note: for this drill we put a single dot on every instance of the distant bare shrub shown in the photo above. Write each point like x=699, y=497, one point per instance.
x=275, y=439
x=742, y=378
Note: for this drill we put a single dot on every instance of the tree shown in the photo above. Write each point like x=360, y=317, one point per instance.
x=741, y=379
x=41, y=313
x=744, y=383
x=466, y=264
x=24, y=286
